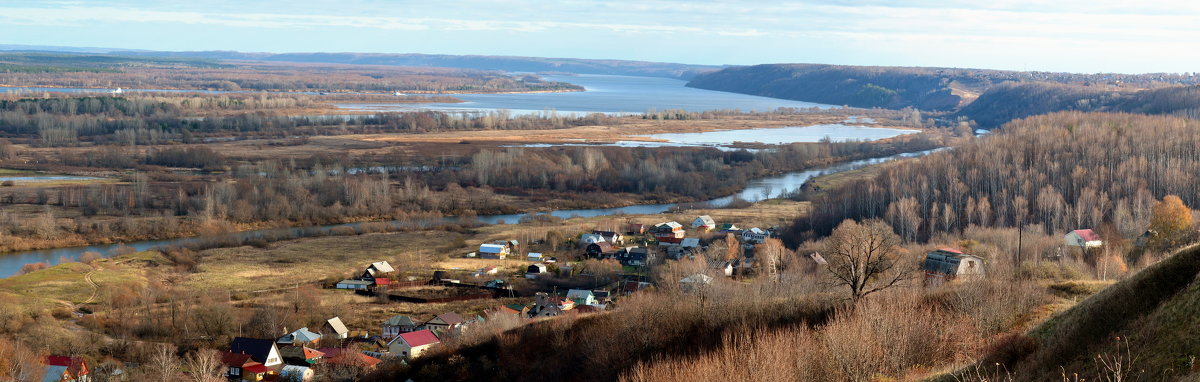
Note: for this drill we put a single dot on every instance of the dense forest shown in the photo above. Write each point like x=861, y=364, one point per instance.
x=1058, y=172
x=68, y=121
x=1010, y=101
x=112, y=71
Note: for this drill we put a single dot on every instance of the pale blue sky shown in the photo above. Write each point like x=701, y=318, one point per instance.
x=1067, y=35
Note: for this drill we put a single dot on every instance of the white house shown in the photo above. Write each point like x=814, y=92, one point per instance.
x=754, y=236
x=534, y=270
x=412, y=344
x=1085, y=238
x=704, y=223
x=534, y=256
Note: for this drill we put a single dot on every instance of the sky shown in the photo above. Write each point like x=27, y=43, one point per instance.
x=1065, y=35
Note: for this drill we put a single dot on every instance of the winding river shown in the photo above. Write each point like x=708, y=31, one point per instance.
x=759, y=189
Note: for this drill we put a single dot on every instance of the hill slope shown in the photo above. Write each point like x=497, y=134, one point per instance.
x=1155, y=313
x=858, y=86
x=1011, y=101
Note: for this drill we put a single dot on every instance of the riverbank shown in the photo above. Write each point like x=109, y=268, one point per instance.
x=759, y=190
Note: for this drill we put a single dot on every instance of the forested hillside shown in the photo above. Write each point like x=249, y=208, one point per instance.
x=1010, y=101
x=1060, y=171
x=858, y=86
x=989, y=97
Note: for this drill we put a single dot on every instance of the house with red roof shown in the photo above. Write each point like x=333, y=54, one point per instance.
x=66, y=369
x=242, y=367
x=1084, y=238
x=412, y=344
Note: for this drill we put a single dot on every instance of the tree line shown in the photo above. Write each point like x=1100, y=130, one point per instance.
x=1058, y=172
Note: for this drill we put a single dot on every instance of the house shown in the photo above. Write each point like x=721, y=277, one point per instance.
x=754, y=236
x=506, y=311
x=66, y=369
x=723, y=267
x=348, y=357
x=447, y=321
x=704, y=223
x=581, y=297
x=534, y=270
x=728, y=228
x=243, y=367
x=260, y=350
x=669, y=232
x=946, y=264
x=635, y=229
x=493, y=251
x=1084, y=238
x=546, y=305
x=488, y=270
x=377, y=270
x=335, y=328
x=602, y=296
x=611, y=237
x=690, y=243
x=355, y=284
x=300, y=355
x=533, y=256
x=631, y=286
x=300, y=337
x=296, y=373
x=398, y=324
x=695, y=282
x=590, y=238
x=634, y=256
x=598, y=249
x=412, y=344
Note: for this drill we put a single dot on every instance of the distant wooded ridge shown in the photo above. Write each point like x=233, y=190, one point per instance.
x=505, y=63
x=990, y=97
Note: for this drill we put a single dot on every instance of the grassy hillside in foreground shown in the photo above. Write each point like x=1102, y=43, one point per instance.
x=1155, y=313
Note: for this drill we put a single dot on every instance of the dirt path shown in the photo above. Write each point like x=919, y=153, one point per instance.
x=95, y=287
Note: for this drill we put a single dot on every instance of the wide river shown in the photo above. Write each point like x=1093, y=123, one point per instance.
x=756, y=190
x=604, y=94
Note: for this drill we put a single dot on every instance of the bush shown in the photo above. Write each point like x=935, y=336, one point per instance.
x=33, y=267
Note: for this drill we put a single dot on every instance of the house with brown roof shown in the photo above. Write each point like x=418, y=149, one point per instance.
x=349, y=357
x=445, y=321
x=412, y=344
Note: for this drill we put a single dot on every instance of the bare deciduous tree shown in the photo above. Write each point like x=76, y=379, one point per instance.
x=865, y=257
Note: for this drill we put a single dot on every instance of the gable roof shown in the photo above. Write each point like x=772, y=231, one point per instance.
x=579, y=293
x=302, y=335
x=232, y=359
x=1087, y=234
x=258, y=349
x=256, y=368
x=706, y=220
x=337, y=325
x=382, y=266
x=417, y=338
x=400, y=320
x=449, y=318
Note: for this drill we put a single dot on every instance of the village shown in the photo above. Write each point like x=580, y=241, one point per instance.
x=298, y=354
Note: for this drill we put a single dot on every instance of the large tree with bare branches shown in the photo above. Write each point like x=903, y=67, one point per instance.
x=865, y=257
